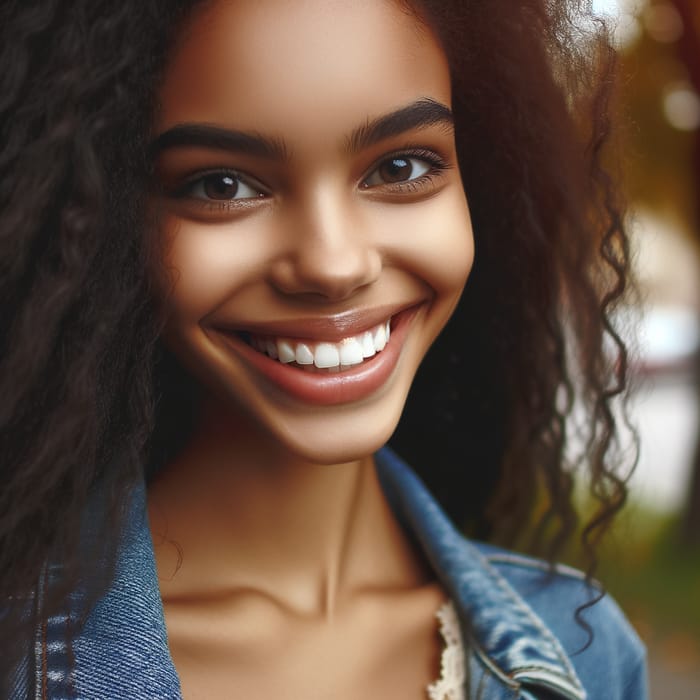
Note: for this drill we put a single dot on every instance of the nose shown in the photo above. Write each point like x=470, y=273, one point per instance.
x=328, y=253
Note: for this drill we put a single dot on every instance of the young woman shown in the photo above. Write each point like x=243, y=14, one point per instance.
x=232, y=231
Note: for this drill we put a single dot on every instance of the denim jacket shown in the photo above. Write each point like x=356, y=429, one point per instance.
x=522, y=641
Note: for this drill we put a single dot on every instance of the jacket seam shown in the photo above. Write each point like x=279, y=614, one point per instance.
x=547, y=679
x=491, y=666
x=535, y=564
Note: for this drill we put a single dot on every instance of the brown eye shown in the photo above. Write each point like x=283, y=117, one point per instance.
x=396, y=170
x=220, y=186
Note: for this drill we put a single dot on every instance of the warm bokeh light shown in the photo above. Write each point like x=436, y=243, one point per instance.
x=663, y=22
x=681, y=106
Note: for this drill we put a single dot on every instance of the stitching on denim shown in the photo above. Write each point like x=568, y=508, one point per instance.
x=530, y=563
x=491, y=666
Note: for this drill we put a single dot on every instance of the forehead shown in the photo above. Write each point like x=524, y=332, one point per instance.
x=305, y=67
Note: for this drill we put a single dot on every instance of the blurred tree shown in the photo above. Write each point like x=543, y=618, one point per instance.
x=659, y=98
x=658, y=155
x=688, y=46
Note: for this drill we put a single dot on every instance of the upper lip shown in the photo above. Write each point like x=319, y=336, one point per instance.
x=332, y=328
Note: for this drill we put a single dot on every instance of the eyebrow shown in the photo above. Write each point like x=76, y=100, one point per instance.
x=220, y=139
x=420, y=114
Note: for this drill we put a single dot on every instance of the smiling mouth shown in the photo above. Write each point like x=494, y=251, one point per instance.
x=322, y=356
x=332, y=360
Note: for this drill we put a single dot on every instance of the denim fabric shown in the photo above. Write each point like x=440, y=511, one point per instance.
x=522, y=640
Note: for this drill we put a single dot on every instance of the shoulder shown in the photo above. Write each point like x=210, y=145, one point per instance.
x=603, y=647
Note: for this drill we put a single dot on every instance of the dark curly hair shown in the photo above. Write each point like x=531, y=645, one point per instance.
x=87, y=395
x=487, y=420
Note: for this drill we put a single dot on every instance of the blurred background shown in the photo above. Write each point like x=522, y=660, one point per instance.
x=651, y=563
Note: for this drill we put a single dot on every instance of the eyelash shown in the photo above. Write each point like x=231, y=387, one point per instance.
x=436, y=166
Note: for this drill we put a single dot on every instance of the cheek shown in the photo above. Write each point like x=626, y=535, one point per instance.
x=447, y=262
x=437, y=244
x=204, y=264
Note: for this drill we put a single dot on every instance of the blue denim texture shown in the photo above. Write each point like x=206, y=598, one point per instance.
x=522, y=639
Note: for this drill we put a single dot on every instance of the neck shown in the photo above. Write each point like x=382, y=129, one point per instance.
x=236, y=511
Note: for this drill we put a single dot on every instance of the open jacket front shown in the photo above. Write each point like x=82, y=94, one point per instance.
x=521, y=638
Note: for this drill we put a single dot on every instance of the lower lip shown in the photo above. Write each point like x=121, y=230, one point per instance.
x=327, y=389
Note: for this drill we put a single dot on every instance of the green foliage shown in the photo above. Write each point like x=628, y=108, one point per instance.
x=654, y=578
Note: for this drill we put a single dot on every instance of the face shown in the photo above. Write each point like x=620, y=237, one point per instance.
x=312, y=213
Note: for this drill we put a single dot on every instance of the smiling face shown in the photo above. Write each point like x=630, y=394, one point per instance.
x=313, y=210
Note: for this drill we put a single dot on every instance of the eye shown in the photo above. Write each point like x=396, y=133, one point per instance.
x=221, y=186
x=398, y=169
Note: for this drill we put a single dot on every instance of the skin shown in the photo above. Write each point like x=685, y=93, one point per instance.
x=283, y=571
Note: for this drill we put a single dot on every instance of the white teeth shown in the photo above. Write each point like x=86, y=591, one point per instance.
x=304, y=356
x=326, y=355
x=331, y=356
x=368, y=349
x=350, y=352
x=285, y=352
x=380, y=338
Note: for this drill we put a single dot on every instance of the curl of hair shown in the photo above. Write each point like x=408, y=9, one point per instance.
x=88, y=402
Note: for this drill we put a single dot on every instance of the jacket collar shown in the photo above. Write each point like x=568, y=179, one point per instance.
x=509, y=638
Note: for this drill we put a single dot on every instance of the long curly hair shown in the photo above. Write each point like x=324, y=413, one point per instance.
x=85, y=391
x=532, y=338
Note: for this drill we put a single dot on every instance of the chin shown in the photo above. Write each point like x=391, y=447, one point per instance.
x=340, y=450
x=337, y=437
